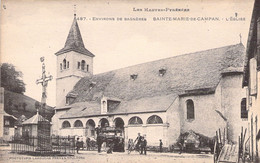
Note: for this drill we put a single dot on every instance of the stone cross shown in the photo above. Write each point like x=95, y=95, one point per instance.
x=44, y=81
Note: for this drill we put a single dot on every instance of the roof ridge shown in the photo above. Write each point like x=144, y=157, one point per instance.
x=181, y=55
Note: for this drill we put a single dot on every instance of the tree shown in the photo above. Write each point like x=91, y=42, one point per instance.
x=11, y=79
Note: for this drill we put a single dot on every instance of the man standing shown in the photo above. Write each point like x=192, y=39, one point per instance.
x=161, y=144
x=77, y=145
x=99, y=138
x=88, y=143
x=138, y=140
x=143, y=145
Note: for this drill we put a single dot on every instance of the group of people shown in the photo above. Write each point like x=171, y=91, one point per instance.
x=140, y=145
x=79, y=144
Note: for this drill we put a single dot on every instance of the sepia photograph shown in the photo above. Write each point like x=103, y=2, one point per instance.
x=130, y=81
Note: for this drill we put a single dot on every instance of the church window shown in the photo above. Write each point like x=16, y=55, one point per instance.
x=87, y=68
x=68, y=64
x=154, y=120
x=83, y=65
x=244, y=113
x=66, y=124
x=7, y=122
x=162, y=71
x=60, y=66
x=92, y=84
x=133, y=76
x=104, y=106
x=78, y=65
x=64, y=63
x=190, y=109
x=78, y=123
x=69, y=99
x=135, y=121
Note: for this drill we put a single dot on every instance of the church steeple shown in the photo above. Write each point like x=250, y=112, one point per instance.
x=74, y=41
x=74, y=62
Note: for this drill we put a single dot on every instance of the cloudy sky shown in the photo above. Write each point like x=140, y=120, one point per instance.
x=31, y=29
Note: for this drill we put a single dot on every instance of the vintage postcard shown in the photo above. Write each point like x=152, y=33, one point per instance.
x=130, y=81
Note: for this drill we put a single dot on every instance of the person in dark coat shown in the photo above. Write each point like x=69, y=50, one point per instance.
x=99, y=138
x=138, y=140
x=88, y=144
x=143, y=145
x=77, y=145
x=180, y=144
x=161, y=144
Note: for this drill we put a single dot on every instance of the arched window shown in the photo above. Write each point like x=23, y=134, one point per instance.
x=83, y=65
x=78, y=123
x=66, y=124
x=68, y=64
x=244, y=113
x=60, y=66
x=190, y=109
x=135, y=121
x=78, y=65
x=87, y=68
x=64, y=63
x=154, y=119
x=104, y=106
x=90, y=128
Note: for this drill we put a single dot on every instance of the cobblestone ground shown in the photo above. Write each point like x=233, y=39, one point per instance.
x=94, y=157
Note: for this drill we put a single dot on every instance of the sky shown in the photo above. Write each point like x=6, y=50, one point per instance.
x=31, y=29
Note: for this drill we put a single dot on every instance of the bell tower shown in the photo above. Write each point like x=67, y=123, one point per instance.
x=74, y=62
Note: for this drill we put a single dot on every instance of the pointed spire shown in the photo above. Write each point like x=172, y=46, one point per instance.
x=74, y=41
x=74, y=38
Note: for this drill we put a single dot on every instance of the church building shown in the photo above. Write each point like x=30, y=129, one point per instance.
x=162, y=99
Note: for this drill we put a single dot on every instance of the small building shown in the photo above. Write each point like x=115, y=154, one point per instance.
x=30, y=126
x=7, y=121
x=9, y=126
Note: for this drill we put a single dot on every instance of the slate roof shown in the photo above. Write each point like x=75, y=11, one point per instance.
x=34, y=119
x=143, y=105
x=195, y=73
x=74, y=41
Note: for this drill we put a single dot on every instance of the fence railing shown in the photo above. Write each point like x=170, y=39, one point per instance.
x=38, y=146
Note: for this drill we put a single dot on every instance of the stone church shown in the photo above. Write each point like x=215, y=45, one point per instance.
x=200, y=92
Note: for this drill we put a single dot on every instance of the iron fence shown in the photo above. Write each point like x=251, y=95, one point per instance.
x=54, y=145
